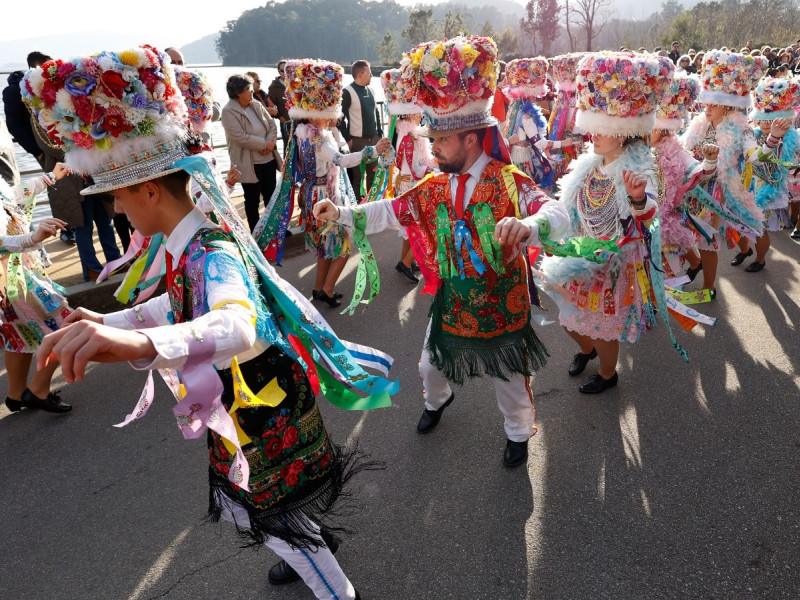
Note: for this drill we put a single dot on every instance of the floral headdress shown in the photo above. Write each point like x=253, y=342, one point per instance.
x=198, y=96
x=314, y=89
x=776, y=98
x=728, y=78
x=118, y=116
x=618, y=92
x=526, y=78
x=676, y=102
x=455, y=82
x=398, y=88
x=565, y=69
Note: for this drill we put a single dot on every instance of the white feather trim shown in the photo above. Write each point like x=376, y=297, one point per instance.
x=669, y=124
x=724, y=99
x=404, y=108
x=603, y=124
x=300, y=113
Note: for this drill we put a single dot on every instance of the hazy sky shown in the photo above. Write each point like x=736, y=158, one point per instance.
x=177, y=22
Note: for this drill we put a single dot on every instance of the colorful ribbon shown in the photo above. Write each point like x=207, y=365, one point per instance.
x=592, y=249
x=367, y=265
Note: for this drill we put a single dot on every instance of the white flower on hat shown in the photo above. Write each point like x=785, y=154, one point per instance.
x=105, y=62
x=64, y=101
x=36, y=81
x=429, y=63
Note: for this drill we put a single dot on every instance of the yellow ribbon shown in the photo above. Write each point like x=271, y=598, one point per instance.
x=511, y=186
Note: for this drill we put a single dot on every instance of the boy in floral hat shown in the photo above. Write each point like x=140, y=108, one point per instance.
x=232, y=340
x=467, y=241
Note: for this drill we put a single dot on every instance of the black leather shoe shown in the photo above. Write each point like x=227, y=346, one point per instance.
x=315, y=295
x=430, y=418
x=13, y=405
x=740, y=256
x=332, y=302
x=516, y=453
x=598, y=384
x=407, y=271
x=755, y=266
x=51, y=404
x=415, y=267
x=795, y=234
x=713, y=293
x=580, y=361
x=281, y=573
x=692, y=273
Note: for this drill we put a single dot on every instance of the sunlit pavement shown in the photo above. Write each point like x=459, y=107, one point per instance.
x=682, y=482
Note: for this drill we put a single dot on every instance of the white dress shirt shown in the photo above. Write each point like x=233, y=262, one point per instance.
x=231, y=324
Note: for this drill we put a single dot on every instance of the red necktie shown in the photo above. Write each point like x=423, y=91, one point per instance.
x=460, y=191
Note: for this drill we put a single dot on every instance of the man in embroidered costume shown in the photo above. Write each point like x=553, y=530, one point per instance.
x=232, y=340
x=480, y=318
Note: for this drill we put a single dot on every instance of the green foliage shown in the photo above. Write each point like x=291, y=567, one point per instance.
x=387, y=51
x=453, y=24
x=508, y=44
x=539, y=28
x=421, y=26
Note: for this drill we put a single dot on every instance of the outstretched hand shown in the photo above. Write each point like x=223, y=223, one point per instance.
x=510, y=231
x=634, y=185
x=325, y=210
x=78, y=343
x=48, y=228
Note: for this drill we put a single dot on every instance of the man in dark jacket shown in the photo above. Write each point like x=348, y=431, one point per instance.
x=18, y=119
x=276, y=93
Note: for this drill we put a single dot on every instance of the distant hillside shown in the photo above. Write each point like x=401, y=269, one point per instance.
x=202, y=51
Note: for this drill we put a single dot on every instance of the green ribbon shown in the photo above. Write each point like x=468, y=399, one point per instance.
x=367, y=265
x=342, y=397
x=444, y=255
x=485, y=225
x=591, y=249
x=380, y=183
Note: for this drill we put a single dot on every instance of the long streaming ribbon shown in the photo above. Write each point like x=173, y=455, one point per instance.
x=367, y=265
x=463, y=237
x=271, y=237
x=382, y=175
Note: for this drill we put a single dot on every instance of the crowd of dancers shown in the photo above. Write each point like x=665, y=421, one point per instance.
x=609, y=200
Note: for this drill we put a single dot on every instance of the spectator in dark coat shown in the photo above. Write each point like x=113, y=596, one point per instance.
x=277, y=93
x=18, y=119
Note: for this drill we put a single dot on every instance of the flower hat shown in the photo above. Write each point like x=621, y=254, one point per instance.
x=314, y=89
x=398, y=88
x=455, y=83
x=676, y=102
x=118, y=116
x=728, y=78
x=198, y=96
x=776, y=98
x=526, y=78
x=564, y=68
x=618, y=92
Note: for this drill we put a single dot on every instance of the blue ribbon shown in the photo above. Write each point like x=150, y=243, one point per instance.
x=464, y=236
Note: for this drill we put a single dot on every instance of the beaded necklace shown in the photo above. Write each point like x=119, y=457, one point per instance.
x=597, y=207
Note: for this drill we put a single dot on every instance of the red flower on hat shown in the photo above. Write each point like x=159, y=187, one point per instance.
x=86, y=109
x=113, y=84
x=115, y=122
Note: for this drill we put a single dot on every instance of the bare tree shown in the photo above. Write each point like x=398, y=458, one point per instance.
x=590, y=16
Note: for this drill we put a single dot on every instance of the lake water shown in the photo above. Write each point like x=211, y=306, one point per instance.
x=217, y=77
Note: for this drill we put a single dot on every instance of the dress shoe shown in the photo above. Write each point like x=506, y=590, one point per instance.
x=795, y=234
x=430, y=418
x=407, y=271
x=597, y=384
x=692, y=273
x=580, y=361
x=713, y=292
x=332, y=302
x=315, y=295
x=92, y=275
x=51, y=404
x=516, y=453
x=740, y=256
x=755, y=266
x=68, y=236
x=415, y=267
x=281, y=573
x=13, y=405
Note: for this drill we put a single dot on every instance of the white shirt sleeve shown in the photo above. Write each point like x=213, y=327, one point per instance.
x=230, y=322
x=18, y=243
x=556, y=215
x=380, y=216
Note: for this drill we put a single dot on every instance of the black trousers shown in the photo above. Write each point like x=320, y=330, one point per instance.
x=359, y=143
x=253, y=192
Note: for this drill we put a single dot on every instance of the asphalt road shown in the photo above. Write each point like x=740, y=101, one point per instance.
x=682, y=482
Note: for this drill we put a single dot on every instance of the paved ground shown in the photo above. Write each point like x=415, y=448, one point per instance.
x=680, y=483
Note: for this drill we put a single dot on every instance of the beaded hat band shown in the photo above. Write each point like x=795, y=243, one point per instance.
x=146, y=165
x=436, y=127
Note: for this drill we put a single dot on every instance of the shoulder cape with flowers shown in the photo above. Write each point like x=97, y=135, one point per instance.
x=730, y=136
x=768, y=192
x=676, y=166
x=636, y=157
